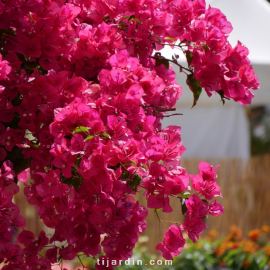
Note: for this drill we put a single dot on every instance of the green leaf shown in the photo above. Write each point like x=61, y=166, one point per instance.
x=189, y=56
x=183, y=41
x=185, y=194
x=157, y=210
x=106, y=135
x=184, y=207
x=125, y=176
x=161, y=162
x=106, y=18
x=193, y=84
x=203, y=200
x=221, y=93
x=77, y=163
x=15, y=180
x=140, y=127
x=131, y=163
x=263, y=262
x=89, y=138
x=122, y=24
x=132, y=18
x=135, y=182
x=80, y=129
x=136, y=20
x=169, y=38
x=36, y=145
x=163, y=61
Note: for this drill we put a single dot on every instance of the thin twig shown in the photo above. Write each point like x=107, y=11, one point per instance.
x=80, y=261
x=170, y=115
x=172, y=61
x=169, y=44
x=166, y=110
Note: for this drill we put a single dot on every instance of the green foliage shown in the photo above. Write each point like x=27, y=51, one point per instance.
x=164, y=62
x=221, y=93
x=135, y=182
x=194, y=258
x=80, y=129
x=258, y=146
x=189, y=56
x=106, y=135
x=191, y=258
x=204, y=255
x=234, y=253
x=185, y=194
x=183, y=206
x=89, y=138
x=193, y=84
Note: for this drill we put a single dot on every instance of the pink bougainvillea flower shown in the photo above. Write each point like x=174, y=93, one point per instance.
x=23, y=176
x=172, y=243
x=208, y=189
x=4, y=68
x=193, y=227
x=207, y=171
x=196, y=208
x=215, y=209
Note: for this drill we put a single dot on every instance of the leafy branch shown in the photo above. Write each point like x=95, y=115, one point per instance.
x=162, y=60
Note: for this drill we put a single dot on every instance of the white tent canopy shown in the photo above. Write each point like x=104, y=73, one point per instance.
x=250, y=20
x=211, y=129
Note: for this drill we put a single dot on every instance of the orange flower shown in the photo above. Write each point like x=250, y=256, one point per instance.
x=254, y=235
x=249, y=246
x=219, y=251
x=265, y=229
x=246, y=263
x=222, y=264
x=212, y=233
x=266, y=249
x=236, y=233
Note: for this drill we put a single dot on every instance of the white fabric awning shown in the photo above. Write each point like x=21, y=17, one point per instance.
x=213, y=132
x=250, y=20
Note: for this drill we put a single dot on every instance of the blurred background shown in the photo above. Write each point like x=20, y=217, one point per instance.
x=233, y=136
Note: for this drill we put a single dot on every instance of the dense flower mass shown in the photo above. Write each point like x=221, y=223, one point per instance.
x=82, y=96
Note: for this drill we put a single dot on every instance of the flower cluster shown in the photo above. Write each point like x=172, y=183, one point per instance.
x=9, y=214
x=196, y=210
x=253, y=250
x=82, y=98
x=217, y=65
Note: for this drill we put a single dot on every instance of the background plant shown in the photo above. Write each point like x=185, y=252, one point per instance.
x=233, y=252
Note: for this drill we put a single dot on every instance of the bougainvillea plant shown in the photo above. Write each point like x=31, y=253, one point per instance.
x=83, y=91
